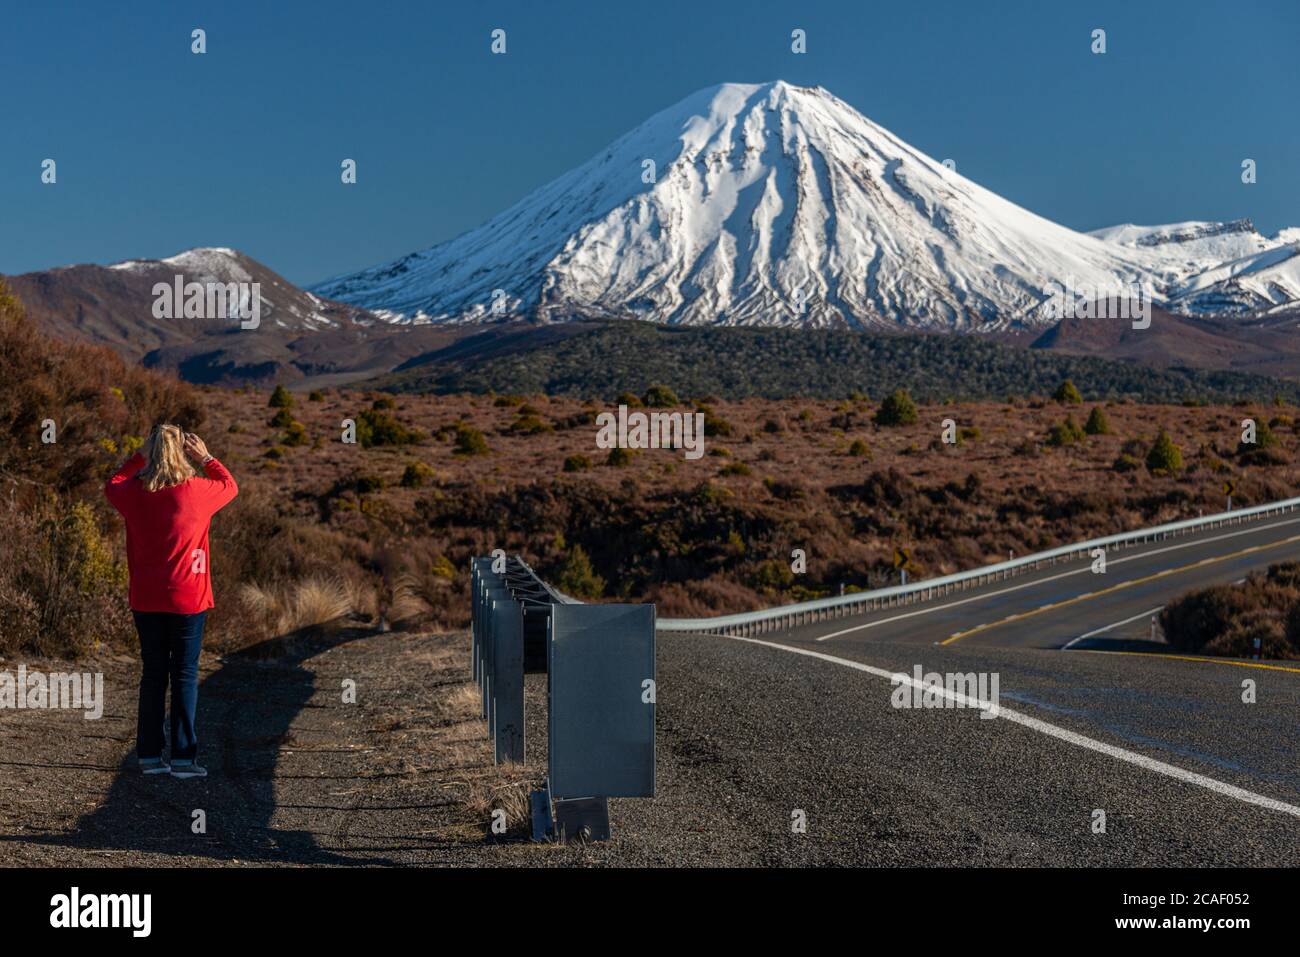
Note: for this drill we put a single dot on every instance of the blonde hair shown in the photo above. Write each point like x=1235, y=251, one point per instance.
x=165, y=461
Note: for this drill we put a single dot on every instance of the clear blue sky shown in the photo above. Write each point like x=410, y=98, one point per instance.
x=160, y=150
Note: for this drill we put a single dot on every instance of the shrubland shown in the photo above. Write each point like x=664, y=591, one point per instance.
x=382, y=530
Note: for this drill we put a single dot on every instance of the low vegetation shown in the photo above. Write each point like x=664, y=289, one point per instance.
x=1258, y=618
x=626, y=359
x=382, y=530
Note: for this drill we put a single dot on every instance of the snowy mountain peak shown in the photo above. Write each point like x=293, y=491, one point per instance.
x=284, y=305
x=763, y=204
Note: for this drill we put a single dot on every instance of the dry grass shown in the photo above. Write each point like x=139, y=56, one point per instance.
x=311, y=603
x=406, y=604
x=451, y=733
x=506, y=789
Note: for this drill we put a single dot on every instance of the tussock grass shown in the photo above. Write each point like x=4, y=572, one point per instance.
x=310, y=603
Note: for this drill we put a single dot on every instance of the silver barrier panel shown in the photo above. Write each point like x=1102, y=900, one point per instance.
x=486, y=580
x=493, y=593
x=601, y=664
x=473, y=617
x=507, y=678
x=480, y=568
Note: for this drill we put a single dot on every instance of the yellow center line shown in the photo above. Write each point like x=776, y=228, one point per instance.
x=1208, y=661
x=1114, y=588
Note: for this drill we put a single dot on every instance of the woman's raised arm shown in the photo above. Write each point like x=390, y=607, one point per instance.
x=117, y=483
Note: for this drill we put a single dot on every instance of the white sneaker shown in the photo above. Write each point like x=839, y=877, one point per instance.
x=188, y=769
x=153, y=766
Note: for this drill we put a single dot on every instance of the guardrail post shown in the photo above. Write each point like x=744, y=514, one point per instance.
x=506, y=631
x=493, y=593
x=601, y=689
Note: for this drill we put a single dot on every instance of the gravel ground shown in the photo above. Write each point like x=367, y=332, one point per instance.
x=748, y=736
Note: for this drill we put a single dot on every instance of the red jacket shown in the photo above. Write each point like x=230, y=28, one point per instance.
x=167, y=536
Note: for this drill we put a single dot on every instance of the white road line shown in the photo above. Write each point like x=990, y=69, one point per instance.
x=1098, y=631
x=1052, y=730
x=1043, y=581
x=1043, y=727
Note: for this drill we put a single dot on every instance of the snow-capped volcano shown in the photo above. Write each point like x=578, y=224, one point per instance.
x=764, y=204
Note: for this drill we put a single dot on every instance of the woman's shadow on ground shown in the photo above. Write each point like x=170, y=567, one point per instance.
x=245, y=712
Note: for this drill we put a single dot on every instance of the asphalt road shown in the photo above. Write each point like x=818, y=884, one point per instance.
x=786, y=750
x=753, y=731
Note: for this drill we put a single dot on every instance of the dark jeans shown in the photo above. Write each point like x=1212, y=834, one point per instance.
x=169, y=651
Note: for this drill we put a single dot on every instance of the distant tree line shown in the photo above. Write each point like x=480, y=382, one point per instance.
x=734, y=363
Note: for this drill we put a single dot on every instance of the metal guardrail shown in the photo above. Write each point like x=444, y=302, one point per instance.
x=840, y=606
x=600, y=666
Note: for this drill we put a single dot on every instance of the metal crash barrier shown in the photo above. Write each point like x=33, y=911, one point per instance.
x=600, y=666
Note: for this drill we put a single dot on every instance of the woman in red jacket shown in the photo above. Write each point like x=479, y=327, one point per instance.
x=168, y=508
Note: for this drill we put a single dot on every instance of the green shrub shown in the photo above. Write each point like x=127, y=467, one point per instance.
x=577, y=578
x=771, y=576
x=1097, y=423
x=469, y=441
x=714, y=426
x=62, y=589
x=377, y=427
x=577, y=463
x=1067, y=393
x=734, y=468
x=295, y=434
x=1065, y=433
x=660, y=397
x=316, y=395
x=416, y=475
x=282, y=419
x=897, y=409
x=1164, y=456
x=859, y=449
x=629, y=399
x=365, y=484
x=1264, y=439
x=530, y=425
x=619, y=457
x=280, y=398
